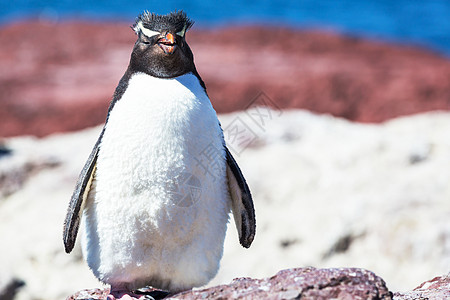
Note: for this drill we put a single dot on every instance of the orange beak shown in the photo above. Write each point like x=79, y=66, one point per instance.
x=167, y=43
x=170, y=38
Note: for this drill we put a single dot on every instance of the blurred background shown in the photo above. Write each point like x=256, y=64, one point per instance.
x=424, y=24
x=362, y=60
x=356, y=150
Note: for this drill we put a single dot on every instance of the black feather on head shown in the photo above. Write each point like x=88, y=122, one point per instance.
x=174, y=21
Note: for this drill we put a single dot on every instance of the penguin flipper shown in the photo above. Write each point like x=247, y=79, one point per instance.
x=242, y=203
x=81, y=192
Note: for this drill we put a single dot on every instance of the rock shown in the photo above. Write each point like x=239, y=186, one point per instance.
x=435, y=289
x=299, y=283
x=65, y=84
x=305, y=283
x=94, y=294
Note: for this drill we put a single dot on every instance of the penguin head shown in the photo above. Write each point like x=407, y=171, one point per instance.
x=161, y=49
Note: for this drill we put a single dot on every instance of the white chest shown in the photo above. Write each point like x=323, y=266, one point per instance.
x=156, y=135
x=160, y=127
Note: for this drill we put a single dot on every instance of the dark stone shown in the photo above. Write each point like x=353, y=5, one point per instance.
x=342, y=245
x=9, y=290
x=288, y=242
x=4, y=151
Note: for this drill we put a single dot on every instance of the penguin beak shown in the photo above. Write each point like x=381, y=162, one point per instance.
x=167, y=43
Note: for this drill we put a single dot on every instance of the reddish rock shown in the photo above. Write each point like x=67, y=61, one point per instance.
x=58, y=77
x=61, y=76
x=300, y=283
x=94, y=294
x=435, y=289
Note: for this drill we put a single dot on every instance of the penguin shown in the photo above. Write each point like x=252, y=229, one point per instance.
x=154, y=197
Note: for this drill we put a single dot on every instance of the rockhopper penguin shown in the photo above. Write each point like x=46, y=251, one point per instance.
x=155, y=194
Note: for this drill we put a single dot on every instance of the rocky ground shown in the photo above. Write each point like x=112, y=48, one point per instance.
x=302, y=283
x=61, y=76
x=328, y=193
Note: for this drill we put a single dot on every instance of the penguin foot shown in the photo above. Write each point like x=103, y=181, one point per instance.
x=127, y=295
x=120, y=294
x=153, y=293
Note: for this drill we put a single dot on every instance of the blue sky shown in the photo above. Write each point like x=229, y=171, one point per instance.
x=425, y=23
